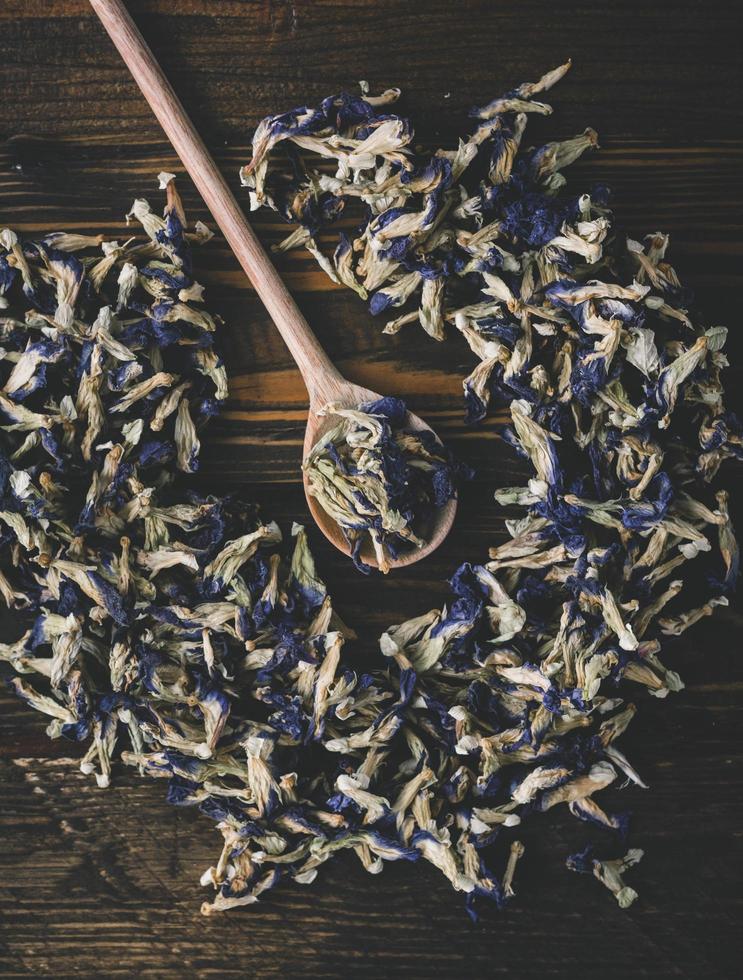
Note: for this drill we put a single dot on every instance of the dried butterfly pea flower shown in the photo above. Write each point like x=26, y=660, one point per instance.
x=609, y=873
x=227, y=674
x=184, y=635
x=151, y=611
x=157, y=617
x=164, y=619
x=616, y=401
x=423, y=230
x=378, y=480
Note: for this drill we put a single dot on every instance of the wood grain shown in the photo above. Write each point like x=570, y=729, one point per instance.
x=105, y=882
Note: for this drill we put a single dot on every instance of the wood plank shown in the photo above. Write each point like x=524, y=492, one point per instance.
x=665, y=73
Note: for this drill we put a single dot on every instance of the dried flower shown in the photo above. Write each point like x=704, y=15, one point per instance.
x=609, y=873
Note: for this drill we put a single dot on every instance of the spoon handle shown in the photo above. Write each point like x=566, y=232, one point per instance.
x=314, y=364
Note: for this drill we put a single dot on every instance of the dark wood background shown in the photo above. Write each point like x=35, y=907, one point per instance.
x=106, y=882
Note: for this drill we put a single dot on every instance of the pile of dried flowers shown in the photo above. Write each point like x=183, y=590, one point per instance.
x=379, y=479
x=616, y=402
x=179, y=625
x=155, y=617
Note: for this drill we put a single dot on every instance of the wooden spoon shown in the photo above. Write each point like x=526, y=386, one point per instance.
x=323, y=380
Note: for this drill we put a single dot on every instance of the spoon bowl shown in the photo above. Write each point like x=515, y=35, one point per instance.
x=345, y=394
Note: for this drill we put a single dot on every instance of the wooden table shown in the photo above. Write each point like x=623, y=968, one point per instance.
x=105, y=883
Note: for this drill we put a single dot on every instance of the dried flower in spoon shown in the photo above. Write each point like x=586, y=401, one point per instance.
x=380, y=481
